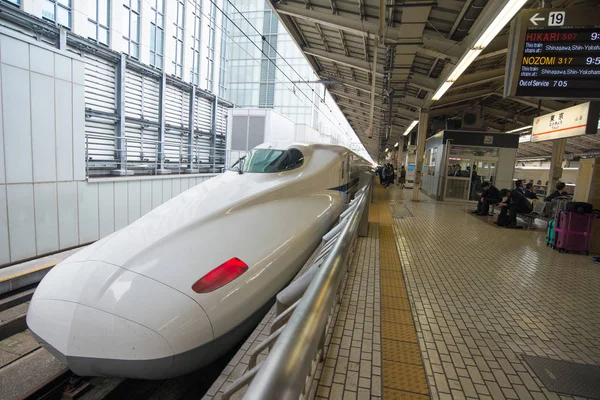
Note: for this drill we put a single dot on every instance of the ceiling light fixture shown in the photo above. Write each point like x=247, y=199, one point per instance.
x=412, y=125
x=520, y=129
x=507, y=13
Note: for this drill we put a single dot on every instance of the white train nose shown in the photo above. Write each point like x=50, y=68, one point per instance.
x=104, y=320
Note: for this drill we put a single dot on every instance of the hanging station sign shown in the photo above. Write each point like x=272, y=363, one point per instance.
x=554, y=53
x=578, y=120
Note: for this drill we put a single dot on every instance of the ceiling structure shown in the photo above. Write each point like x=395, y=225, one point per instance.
x=410, y=47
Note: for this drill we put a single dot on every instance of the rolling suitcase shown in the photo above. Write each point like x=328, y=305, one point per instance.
x=550, y=234
x=574, y=232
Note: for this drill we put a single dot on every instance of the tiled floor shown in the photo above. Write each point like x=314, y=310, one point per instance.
x=483, y=297
x=352, y=366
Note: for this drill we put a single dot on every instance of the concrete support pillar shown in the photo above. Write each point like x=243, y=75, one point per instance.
x=160, y=164
x=61, y=39
x=190, y=138
x=558, y=155
x=120, y=143
x=421, y=137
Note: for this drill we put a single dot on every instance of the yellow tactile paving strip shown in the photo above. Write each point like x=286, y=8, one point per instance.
x=402, y=366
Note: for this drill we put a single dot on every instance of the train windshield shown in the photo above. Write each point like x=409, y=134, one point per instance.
x=269, y=161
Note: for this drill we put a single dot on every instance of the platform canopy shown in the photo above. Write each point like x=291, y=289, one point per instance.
x=411, y=47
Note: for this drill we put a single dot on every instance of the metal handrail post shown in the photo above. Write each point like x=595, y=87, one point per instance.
x=284, y=372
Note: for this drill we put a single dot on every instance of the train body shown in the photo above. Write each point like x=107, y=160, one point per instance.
x=180, y=286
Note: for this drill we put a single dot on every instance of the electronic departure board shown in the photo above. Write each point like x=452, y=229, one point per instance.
x=554, y=53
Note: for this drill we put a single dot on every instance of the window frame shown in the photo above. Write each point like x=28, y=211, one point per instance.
x=98, y=25
x=158, y=15
x=178, y=60
x=127, y=4
x=196, y=43
x=56, y=5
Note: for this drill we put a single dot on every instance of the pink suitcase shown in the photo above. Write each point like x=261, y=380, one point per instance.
x=574, y=232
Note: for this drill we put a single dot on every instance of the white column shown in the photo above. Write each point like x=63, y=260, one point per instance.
x=558, y=154
x=421, y=137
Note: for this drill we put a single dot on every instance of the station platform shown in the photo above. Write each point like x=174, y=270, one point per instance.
x=442, y=304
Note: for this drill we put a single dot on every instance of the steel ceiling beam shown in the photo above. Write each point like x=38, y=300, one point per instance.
x=449, y=110
x=477, y=78
x=509, y=116
x=370, y=28
x=350, y=96
x=355, y=103
x=424, y=82
x=350, y=83
x=457, y=98
x=341, y=59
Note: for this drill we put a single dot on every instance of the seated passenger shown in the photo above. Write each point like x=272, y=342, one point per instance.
x=560, y=191
x=515, y=203
x=489, y=195
x=530, y=192
x=519, y=186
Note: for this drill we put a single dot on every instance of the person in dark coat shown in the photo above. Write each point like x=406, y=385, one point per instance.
x=489, y=195
x=529, y=192
x=519, y=186
x=402, y=177
x=516, y=203
x=561, y=190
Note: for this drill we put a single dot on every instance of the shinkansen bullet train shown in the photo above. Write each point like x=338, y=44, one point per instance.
x=180, y=286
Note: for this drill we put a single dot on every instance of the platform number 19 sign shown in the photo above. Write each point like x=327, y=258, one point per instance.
x=556, y=18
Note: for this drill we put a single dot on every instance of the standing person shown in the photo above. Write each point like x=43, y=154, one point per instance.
x=390, y=174
x=383, y=179
x=402, y=177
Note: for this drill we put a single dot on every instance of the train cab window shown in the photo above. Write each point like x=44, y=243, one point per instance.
x=269, y=161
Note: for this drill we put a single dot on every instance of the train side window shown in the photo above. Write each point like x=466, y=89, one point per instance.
x=294, y=159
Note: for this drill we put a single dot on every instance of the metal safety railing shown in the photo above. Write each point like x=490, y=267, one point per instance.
x=104, y=153
x=305, y=311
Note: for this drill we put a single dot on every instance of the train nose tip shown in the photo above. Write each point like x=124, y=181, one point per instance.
x=102, y=319
x=93, y=342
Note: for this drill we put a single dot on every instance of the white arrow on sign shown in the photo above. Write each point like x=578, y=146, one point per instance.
x=535, y=18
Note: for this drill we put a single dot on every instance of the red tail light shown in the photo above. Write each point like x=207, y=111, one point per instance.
x=220, y=276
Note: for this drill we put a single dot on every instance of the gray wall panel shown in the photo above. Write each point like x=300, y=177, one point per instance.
x=42, y=128
x=167, y=190
x=145, y=197
x=42, y=60
x=14, y=52
x=121, y=207
x=239, y=132
x=256, y=131
x=133, y=200
x=68, y=227
x=78, y=131
x=64, y=130
x=78, y=72
x=88, y=211
x=17, y=124
x=4, y=248
x=175, y=187
x=21, y=222
x=62, y=67
x=2, y=171
x=46, y=217
x=106, y=208
x=157, y=193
